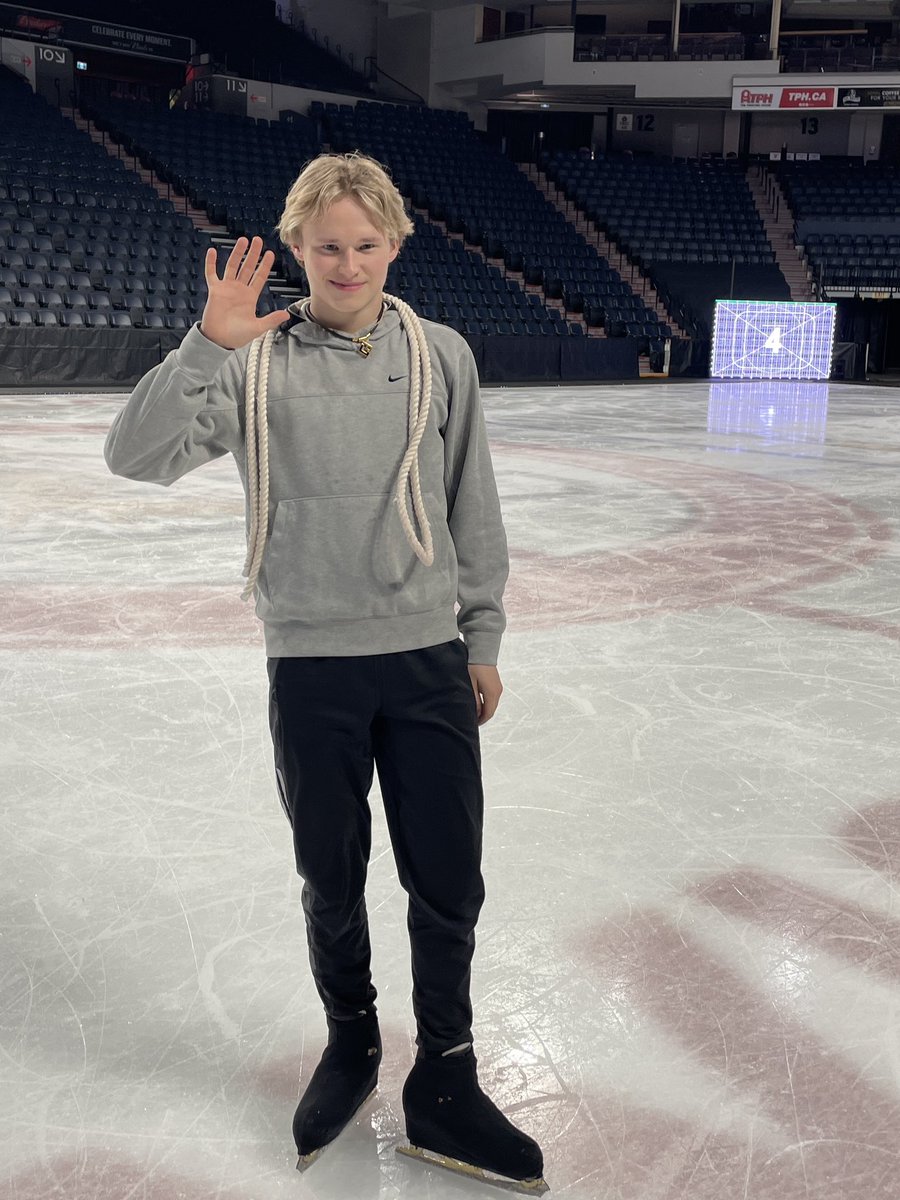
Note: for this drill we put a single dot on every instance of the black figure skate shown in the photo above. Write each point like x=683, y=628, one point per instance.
x=451, y=1123
x=341, y=1084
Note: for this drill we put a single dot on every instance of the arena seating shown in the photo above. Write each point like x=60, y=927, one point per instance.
x=239, y=170
x=682, y=212
x=659, y=213
x=236, y=168
x=438, y=161
x=808, y=54
x=445, y=282
x=826, y=199
x=657, y=47
x=83, y=242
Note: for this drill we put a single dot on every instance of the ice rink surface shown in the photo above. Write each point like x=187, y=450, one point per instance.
x=687, y=983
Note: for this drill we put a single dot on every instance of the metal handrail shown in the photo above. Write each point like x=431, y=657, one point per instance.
x=372, y=71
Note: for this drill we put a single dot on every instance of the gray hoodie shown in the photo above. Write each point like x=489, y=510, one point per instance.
x=338, y=575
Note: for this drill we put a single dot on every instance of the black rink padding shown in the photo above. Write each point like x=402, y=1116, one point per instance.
x=55, y=358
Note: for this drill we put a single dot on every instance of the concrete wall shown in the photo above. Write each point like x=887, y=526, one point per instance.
x=864, y=138
x=49, y=70
x=685, y=132
x=404, y=50
x=259, y=98
x=629, y=18
x=348, y=23
x=817, y=132
x=19, y=57
x=731, y=133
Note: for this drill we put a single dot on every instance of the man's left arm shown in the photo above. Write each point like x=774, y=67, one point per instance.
x=476, y=526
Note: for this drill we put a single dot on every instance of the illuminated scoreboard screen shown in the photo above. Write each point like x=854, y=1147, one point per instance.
x=772, y=339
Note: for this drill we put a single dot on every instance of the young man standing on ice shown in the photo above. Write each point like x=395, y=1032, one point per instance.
x=373, y=512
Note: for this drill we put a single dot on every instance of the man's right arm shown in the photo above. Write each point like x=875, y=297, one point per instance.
x=183, y=413
x=186, y=411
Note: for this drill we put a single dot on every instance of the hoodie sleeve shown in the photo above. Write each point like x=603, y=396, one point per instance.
x=473, y=514
x=183, y=413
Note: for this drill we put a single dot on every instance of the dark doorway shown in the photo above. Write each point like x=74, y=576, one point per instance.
x=890, y=138
x=523, y=132
x=874, y=324
x=892, y=336
x=491, y=24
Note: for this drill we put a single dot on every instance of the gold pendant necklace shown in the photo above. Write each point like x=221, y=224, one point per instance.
x=363, y=343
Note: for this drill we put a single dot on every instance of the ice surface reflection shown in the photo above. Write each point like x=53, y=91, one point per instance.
x=771, y=410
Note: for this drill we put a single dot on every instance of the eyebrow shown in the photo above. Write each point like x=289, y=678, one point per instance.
x=363, y=237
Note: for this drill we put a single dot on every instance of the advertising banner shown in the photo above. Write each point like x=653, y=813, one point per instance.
x=766, y=96
x=775, y=97
x=792, y=97
x=105, y=35
x=867, y=97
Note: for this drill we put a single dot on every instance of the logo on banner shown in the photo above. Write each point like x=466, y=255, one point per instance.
x=807, y=98
x=751, y=99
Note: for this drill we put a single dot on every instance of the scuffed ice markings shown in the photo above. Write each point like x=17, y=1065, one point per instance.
x=688, y=967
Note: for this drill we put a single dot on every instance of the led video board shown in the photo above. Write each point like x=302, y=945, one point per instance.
x=772, y=339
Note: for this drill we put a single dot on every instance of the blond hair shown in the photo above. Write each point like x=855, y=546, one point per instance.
x=331, y=177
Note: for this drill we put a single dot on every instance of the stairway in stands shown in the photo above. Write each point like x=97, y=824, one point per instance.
x=772, y=206
x=640, y=285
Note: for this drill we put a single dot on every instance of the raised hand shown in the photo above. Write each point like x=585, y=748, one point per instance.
x=229, y=315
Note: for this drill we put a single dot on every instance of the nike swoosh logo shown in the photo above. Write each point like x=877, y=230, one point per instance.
x=394, y=378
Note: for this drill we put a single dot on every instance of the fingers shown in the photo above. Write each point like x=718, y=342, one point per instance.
x=487, y=709
x=244, y=261
x=478, y=704
x=234, y=259
x=209, y=267
x=244, y=265
x=273, y=320
x=488, y=688
x=261, y=274
x=248, y=266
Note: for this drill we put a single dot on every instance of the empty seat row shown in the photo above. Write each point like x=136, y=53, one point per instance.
x=87, y=319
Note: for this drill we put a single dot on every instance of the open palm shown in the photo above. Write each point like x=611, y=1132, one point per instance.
x=229, y=316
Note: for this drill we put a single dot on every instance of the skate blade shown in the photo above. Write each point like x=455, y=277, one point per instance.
x=525, y=1187
x=305, y=1161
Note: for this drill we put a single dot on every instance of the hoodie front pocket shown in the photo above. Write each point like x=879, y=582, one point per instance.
x=340, y=558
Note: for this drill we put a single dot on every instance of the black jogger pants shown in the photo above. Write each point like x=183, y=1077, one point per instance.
x=412, y=715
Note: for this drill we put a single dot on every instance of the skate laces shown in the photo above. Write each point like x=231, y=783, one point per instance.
x=407, y=492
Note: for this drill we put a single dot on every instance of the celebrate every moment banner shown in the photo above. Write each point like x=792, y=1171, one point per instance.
x=35, y=25
x=762, y=95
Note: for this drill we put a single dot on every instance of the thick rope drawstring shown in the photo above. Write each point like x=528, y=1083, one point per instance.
x=419, y=406
x=257, y=438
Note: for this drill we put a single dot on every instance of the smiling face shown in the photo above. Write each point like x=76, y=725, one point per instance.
x=346, y=259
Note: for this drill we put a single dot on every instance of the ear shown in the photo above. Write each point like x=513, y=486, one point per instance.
x=395, y=250
x=298, y=254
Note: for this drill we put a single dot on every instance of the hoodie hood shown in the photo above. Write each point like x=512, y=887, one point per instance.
x=305, y=329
